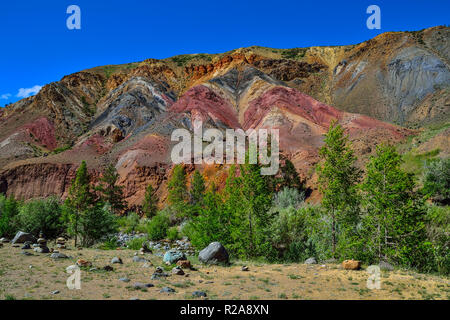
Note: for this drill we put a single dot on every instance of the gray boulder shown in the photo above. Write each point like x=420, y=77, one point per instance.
x=172, y=256
x=386, y=266
x=311, y=260
x=215, y=253
x=116, y=260
x=21, y=237
x=58, y=255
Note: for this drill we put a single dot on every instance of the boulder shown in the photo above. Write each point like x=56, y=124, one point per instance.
x=311, y=260
x=386, y=266
x=185, y=264
x=116, y=260
x=173, y=256
x=215, y=253
x=351, y=264
x=21, y=237
x=58, y=255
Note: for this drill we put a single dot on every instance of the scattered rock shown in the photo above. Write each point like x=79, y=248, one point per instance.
x=139, y=259
x=58, y=255
x=4, y=240
x=311, y=260
x=26, y=253
x=178, y=271
x=108, y=268
x=245, y=268
x=351, y=264
x=83, y=263
x=173, y=256
x=185, y=264
x=21, y=237
x=26, y=246
x=125, y=279
x=54, y=292
x=140, y=285
x=386, y=266
x=215, y=253
x=167, y=290
x=116, y=260
x=42, y=250
x=199, y=294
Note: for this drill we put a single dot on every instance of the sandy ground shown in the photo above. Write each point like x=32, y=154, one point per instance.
x=35, y=277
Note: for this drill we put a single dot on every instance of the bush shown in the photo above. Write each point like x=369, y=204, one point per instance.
x=437, y=180
x=129, y=223
x=438, y=233
x=288, y=197
x=41, y=215
x=110, y=244
x=97, y=223
x=158, y=226
x=172, y=234
x=136, y=243
x=9, y=208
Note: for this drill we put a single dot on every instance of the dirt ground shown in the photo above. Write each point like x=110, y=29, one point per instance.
x=37, y=276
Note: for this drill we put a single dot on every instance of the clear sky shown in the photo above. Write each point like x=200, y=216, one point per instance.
x=37, y=48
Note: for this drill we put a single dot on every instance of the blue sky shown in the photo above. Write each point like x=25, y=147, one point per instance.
x=37, y=48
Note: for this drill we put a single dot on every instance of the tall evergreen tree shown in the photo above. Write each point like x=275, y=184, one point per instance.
x=178, y=190
x=394, y=211
x=338, y=179
x=149, y=205
x=197, y=190
x=80, y=198
x=111, y=192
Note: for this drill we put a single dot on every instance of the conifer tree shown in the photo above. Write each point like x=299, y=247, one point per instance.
x=80, y=198
x=109, y=190
x=178, y=190
x=338, y=179
x=197, y=190
x=395, y=213
x=149, y=205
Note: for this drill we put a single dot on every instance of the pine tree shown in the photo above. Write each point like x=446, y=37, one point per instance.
x=149, y=205
x=178, y=190
x=394, y=219
x=197, y=190
x=110, y=191
x=80, y=198
x=338, y=179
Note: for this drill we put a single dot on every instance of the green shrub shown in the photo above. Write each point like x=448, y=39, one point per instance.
x=41, y=215
x=9, y=208
x=136, y=243
x=288, y=197
x=97, y=223
x=438, y=233
x=437, y=180
x=129, y=223
x=158, y=226
x=172, y=234
x=110, y=244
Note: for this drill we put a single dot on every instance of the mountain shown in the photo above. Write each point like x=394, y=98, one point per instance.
x=382, y=90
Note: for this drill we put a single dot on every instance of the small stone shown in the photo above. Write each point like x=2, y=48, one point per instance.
x=83, y=263
x=125, y=279
x=26, y=253
x=167, y=290
x=178, y=271
x=26, y=246
x=58, y=255
x=139, y=259
x=42, y=250
x=199, y=294
x=245, y=268
x=54, y=292
x=4, y=240
x=116, y=260
x=108, y=268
